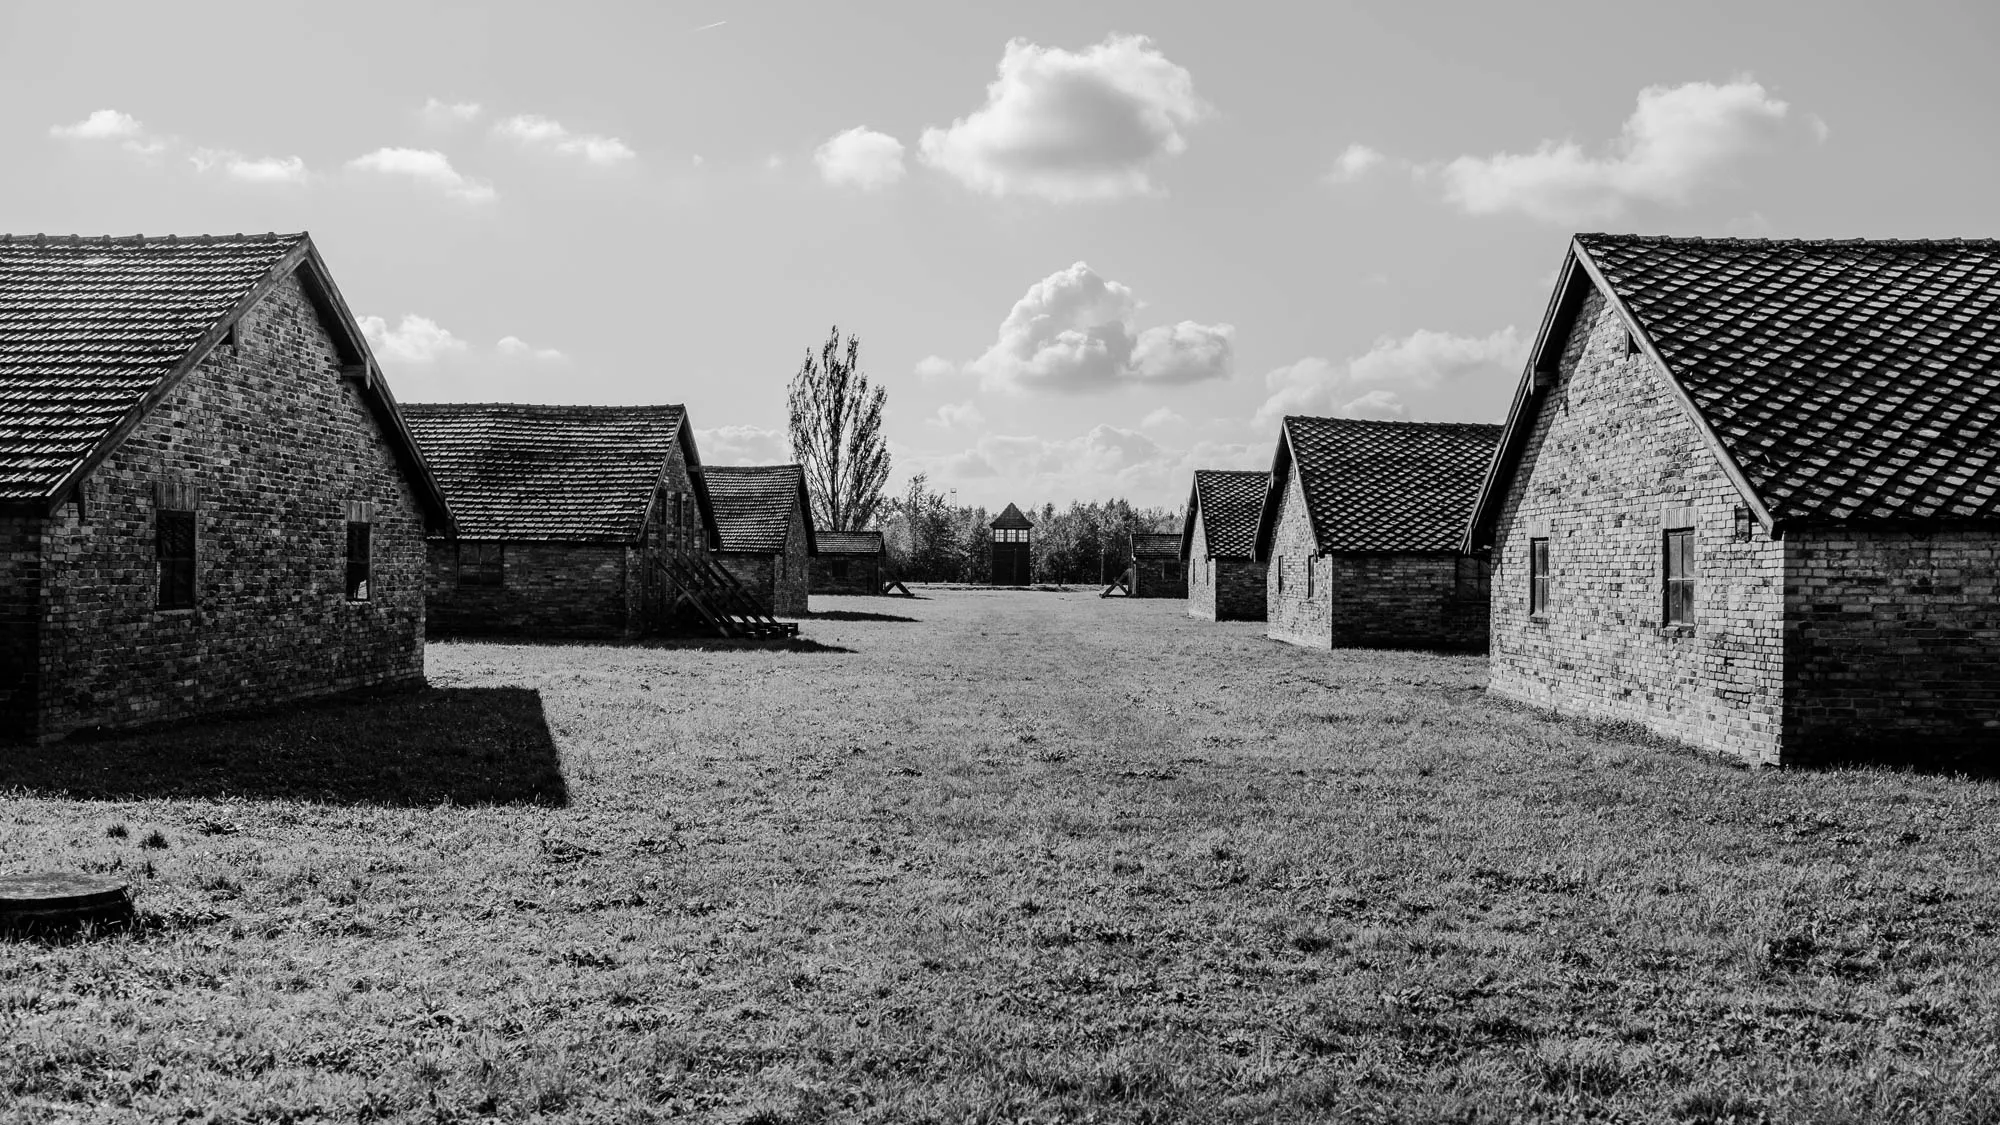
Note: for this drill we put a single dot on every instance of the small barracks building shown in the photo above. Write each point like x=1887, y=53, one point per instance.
x=849, y=562
x=209, y=499
x=764, y=524
x=1225, y=582
x=1749, y=497
x=569, y=517
x=1156, y=565
x=1361, y=534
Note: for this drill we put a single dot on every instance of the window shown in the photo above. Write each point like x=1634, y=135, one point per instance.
x=1474, y=578
x=482, y=564
x=174, y=538
x=357, y=560
x=1679, y=570
x=838, y=568
x=1310, y=560
x=1538, y=577
x=1281, y=574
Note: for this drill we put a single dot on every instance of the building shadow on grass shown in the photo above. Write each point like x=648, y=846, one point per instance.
x=422, y=746
x=727, y=644
x=1974, y=758
x=699, y=644
x=855, y=615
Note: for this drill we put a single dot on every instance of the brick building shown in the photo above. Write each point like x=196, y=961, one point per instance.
x=208, y=497
x=1013, y=548
x=567, y=516
x=1218, y=544
x=1156, y=565
x=849, y=562
x=765, y=526
x=1360, y=533
x=1747, y=496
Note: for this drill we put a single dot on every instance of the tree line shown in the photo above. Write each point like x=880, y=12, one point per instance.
x=932, y=539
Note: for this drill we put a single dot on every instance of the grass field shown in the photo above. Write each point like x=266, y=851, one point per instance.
x=992, y=857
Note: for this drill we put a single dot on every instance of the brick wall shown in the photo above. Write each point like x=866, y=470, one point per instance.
x=549, y=590
x=1151, y=579
x=1892, y=642
x=1400, y=601
x=1292, y=616
x=864, y=575
x=757, y=573
x=1610, y=457
x=790, y=593
x=1223, y=589
x=275, y=443
x=20, y=619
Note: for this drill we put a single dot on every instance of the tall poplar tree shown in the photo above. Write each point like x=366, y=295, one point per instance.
x=836, y=424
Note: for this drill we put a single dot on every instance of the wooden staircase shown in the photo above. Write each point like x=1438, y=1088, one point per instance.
x=721, y=602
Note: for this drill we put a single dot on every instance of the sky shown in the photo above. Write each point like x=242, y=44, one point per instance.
x=1087, y=248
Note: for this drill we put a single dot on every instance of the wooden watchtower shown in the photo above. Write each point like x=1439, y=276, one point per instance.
x=1013, y=536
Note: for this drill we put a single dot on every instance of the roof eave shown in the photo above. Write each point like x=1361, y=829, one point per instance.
x=324, y=293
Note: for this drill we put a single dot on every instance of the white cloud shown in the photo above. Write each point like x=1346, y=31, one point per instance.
x=773, y=162
x=743, y=445
x=426, y=167
x=953, y=416
x=1164, y=416
x=1380, y=405
x=417, y=339
x=1354, y=162
x=255, y=170
x=1065, y=125
x=439, y=112
x=1479, y=371
x=533, y=131
x=1074, y=331
x=513, y=347
x=935, y=367
x=104, y=124
x=1820, y=129
x=1678, y=141
x=696, y=160
x=112, y=125
x=860, y=158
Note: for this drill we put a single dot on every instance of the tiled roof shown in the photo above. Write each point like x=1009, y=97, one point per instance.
x=850, y=542
x=562, y=473
x=1229, y=501
x=1011, y=517
x=1848, y=380
x=1384, y=486
x=88, y=326
x=753, y=504
x=1156, y=545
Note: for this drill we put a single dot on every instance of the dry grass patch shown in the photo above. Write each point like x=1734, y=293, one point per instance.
x=1027, y=856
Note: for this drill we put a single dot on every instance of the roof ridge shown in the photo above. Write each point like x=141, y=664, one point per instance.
x=542, y=406
x=1801, y=243
x=145, y=239
x=1325, y=419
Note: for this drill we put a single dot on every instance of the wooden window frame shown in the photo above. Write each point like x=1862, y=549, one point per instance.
x=360, y=578
x=176, y=574
x=481, y=571
x=1679, y=579
x=1539, y=583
